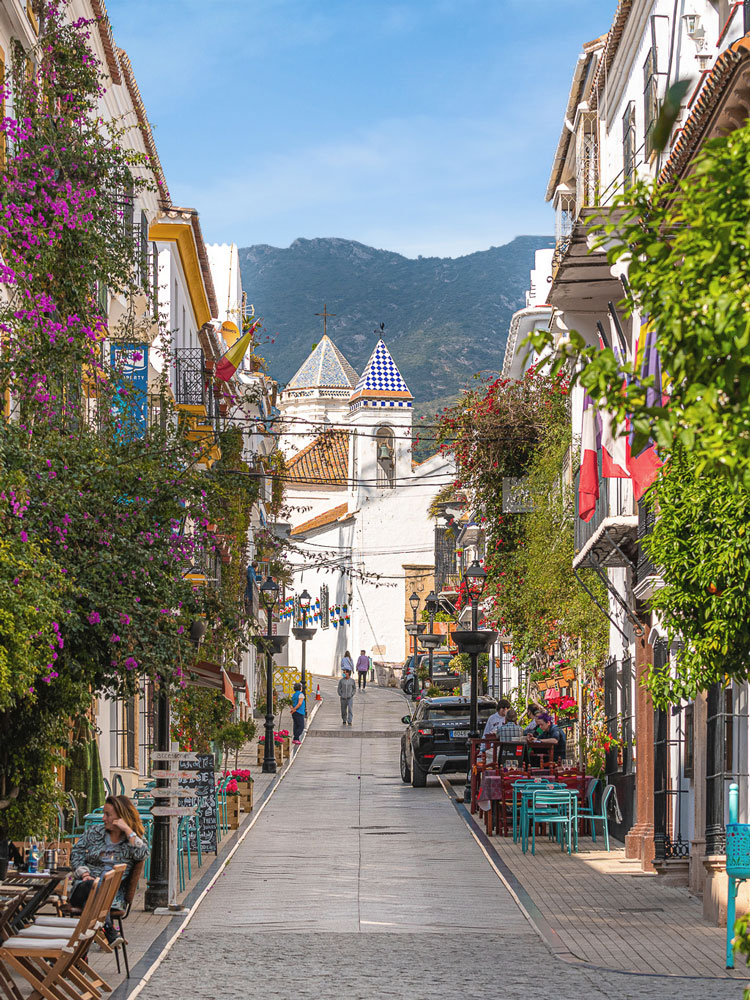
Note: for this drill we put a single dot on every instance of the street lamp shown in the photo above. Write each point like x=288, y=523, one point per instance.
x=304, y=633
x=474, y=641
x=269, y=595
x=431, y=603
x=414, y=629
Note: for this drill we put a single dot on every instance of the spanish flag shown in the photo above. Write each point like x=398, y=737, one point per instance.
x=230, y=362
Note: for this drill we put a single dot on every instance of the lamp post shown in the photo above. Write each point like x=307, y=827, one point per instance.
x=303, y=634
x=414, y=628
x=157, y=890
x=474, y=641
x=431, y=603
x=269, y=594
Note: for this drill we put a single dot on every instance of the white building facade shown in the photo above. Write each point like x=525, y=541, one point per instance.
x=360, y=504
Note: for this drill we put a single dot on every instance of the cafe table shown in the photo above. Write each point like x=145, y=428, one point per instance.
x=39, y=886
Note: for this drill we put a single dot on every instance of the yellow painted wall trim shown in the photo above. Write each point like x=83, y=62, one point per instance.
x=181, y=233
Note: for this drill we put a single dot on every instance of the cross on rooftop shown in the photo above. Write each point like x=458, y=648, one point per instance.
x=325, y=314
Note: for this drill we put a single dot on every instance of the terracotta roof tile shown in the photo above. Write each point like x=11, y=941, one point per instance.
x=105, y=35
x=698, y=122
x=339, y=513
x=143, y=125
x=614, y=37
x=324, y=462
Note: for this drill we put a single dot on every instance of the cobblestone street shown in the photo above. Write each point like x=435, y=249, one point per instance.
x=352, y=884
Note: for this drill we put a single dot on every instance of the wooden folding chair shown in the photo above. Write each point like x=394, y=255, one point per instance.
x=50, y=927
x=56, y=968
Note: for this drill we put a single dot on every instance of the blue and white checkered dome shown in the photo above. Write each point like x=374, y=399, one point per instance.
x=381, y=375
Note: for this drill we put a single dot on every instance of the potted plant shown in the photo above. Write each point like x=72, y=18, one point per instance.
x=233, y=804
x=278, y=750
x=285, y=738
x=245, y=787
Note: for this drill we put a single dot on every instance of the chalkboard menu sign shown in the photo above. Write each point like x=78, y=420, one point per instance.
x=200, y=792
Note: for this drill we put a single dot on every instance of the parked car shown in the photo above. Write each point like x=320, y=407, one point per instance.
x=407, y=675
x=443, y=675
x=436, y=738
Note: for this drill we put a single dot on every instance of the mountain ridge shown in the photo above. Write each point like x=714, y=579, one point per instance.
x=445, y=317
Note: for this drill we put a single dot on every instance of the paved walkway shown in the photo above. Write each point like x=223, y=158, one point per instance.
x=354, y=885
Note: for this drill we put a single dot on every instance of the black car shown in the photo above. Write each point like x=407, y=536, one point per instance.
x=436, y=740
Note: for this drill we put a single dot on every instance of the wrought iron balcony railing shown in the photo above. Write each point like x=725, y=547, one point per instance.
x=190, y=376
x=614, y=518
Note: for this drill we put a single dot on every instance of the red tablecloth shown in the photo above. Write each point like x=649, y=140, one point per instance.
x=491, y=789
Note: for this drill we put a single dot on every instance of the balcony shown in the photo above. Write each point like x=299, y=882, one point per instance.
x=609, y=539
x=647, y=575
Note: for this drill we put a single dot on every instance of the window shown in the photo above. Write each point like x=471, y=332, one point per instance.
x=729, y=730
x=146, y=741
x=143, y=274
x=628, y=145
x=688, y=766
x=650, y=97
x=122, y=733
x=386, y=464
x=325, y=615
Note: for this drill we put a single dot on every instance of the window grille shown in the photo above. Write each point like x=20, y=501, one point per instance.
x=587, y=162
x=189, y=376
x=670, y=793
x=628, y=145
x=445, y=556
x=122, y=733
x=146, y=739
x=143, y=255
x=325, y=614
x=650, y=98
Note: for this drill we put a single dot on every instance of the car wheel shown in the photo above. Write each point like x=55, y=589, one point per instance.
x=409, y=686
x=405, y=772
x=418, y=774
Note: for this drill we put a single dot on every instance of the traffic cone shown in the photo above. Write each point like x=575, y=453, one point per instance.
x=317, y=694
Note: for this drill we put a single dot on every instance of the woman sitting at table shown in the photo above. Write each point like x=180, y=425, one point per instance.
x=118, y=840
x=547, y=734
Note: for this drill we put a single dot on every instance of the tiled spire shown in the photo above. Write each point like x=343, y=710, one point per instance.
x=381, y=380
x=326, y=368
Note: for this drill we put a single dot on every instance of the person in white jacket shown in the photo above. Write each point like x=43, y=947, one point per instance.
x=346, y=689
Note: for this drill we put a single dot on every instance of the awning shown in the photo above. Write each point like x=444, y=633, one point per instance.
x=212, y=675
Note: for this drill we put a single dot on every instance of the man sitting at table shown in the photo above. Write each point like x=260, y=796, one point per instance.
x=497, y=718
x=510, y=731
x=549, y=735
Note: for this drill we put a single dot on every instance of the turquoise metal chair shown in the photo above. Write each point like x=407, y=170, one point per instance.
x=588, y=811
x=519, y=800
x=118, y=785
x=107, y=787
x=555, y=807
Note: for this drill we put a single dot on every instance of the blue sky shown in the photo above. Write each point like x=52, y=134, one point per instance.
x=421, y=126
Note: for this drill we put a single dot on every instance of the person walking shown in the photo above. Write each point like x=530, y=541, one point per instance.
x=363, y=665
x=298, y=712
x=347, y=663
x=346, y=690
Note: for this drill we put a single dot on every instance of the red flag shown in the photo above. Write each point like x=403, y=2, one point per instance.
x=588, y=481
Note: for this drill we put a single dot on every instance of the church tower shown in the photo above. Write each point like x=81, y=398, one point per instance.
x=317, y=395
x=380, y=416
